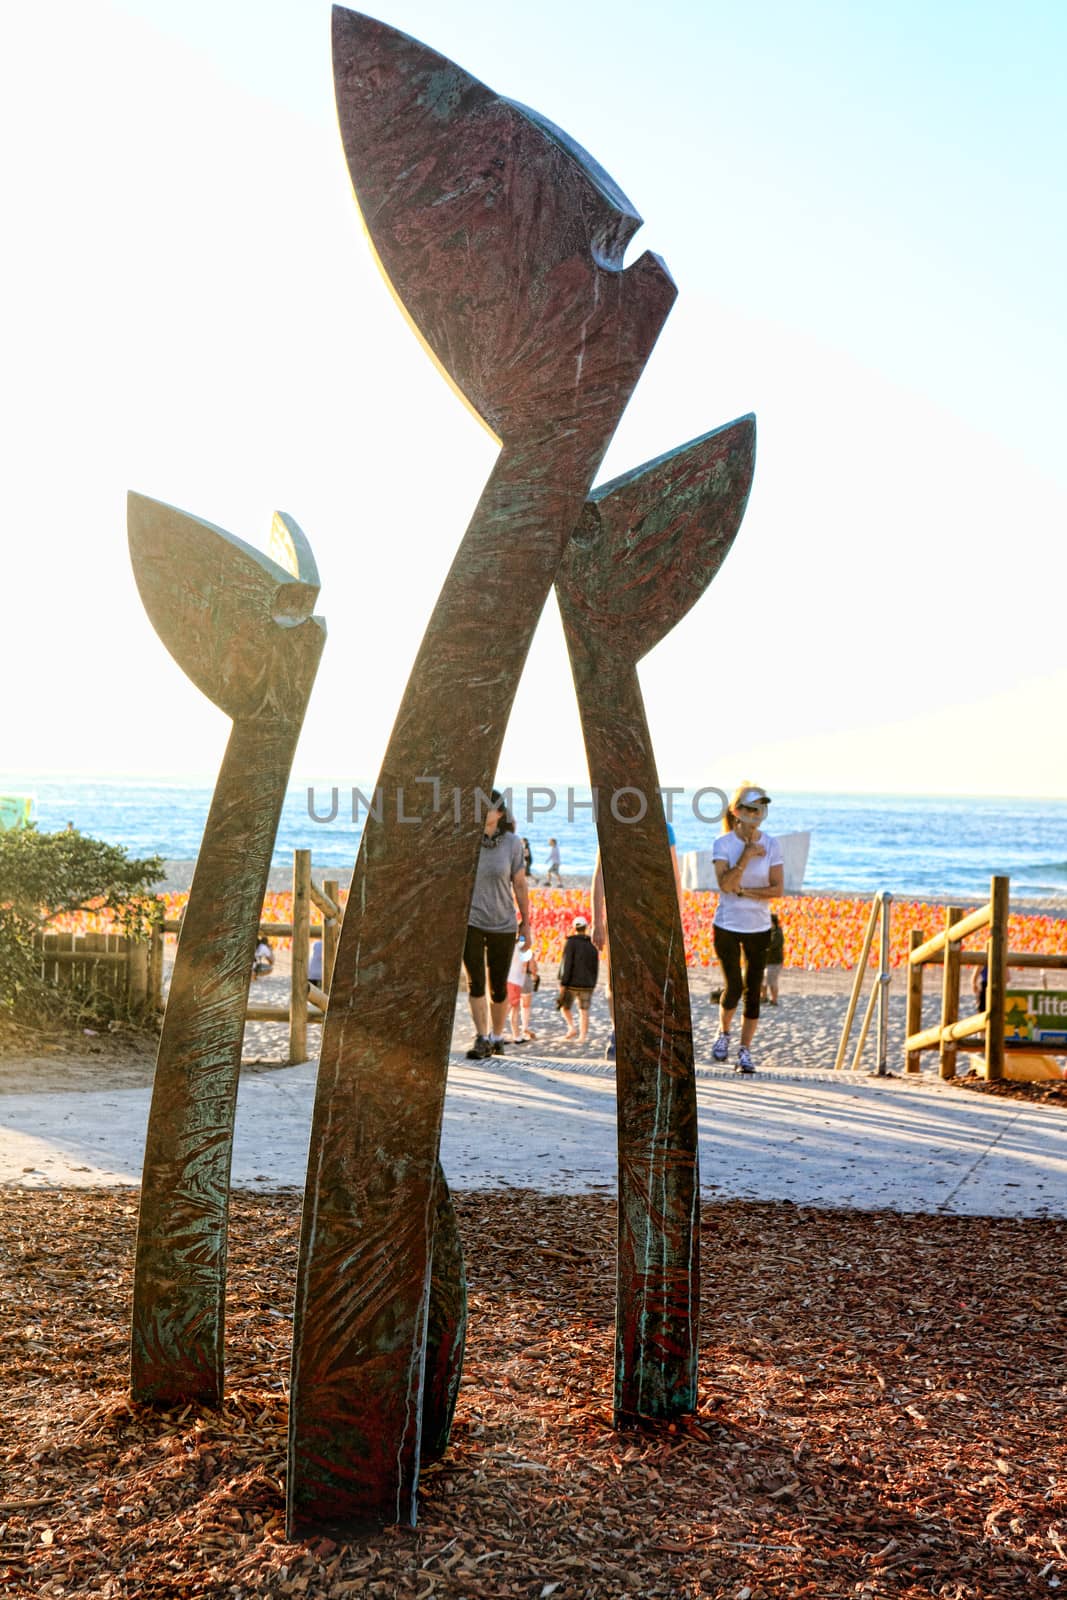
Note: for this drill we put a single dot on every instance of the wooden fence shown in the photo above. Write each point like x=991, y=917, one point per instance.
x=307, y=1001
x=129, y=971
x=984, y=1030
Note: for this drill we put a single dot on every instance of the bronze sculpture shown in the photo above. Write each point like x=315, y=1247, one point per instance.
x=504, y=243
x=239, y=624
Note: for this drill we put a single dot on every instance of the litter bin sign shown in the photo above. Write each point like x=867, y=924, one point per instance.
x=1036, y=1016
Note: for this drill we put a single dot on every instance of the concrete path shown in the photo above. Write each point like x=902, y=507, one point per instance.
x=812, y=1138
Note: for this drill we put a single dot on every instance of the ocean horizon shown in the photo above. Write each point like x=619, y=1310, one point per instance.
x=931, y=847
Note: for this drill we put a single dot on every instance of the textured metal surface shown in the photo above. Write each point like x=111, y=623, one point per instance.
x=504, y=244
x=446, y=1327
x=647, y=546
x=238, y=624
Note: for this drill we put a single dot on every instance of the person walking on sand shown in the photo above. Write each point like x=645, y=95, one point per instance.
x=553, y=865
x=578, y=972
x=527, y=860
x=521, y=975
x=748, y=867
x=980, y=984
x=775, y=958
x=500, y=886
x=263, y=960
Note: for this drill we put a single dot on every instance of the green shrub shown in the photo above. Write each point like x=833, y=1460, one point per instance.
x=45, y=874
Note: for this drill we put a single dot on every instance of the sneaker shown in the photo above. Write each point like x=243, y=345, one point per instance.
x=481, y=1048
x=721, y=1048
x=496, y=1046
x=609, y=1048
x=744, y=1060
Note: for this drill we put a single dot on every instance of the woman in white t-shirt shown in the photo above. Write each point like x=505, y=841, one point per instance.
x=748, y=866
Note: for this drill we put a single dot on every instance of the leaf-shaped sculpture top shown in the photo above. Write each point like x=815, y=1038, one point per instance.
x=289, y=547
x=235, y=621
x=491, y=225
x=649, y=542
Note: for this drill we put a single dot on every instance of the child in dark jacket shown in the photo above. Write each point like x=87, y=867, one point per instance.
x=578, y=973
x=775, y=958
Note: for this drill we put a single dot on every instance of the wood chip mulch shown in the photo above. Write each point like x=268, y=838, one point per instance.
x=883, y=1412
x=1049, y=1093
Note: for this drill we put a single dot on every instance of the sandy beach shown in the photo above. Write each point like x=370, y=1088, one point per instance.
x=800, y=1035
x=802, y=1031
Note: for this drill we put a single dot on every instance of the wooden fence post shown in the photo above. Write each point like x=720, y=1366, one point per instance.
x=865, y=1026
x=298, y=994
x=155, y=970
x=914, y=1016
x=136, y=974
x=83, y=972
x=857, y=984
x=64, y=970
x=331, y=928
x=996, y=978
x=950, y=993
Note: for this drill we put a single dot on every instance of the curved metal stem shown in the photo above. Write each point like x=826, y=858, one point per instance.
x=177, y=1345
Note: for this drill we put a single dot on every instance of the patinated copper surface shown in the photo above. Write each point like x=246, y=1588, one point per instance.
x=446, y=1328
x=647, y=546
x=239, y=624
x=504, y=244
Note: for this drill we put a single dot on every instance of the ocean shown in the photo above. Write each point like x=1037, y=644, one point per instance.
x=914, y=846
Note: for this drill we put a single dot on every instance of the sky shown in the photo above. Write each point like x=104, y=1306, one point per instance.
x=862, y=208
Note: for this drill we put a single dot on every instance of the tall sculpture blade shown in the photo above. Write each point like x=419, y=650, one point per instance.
x=504, y=244
x=489, y=223
x=646, y=548
x=238, y=624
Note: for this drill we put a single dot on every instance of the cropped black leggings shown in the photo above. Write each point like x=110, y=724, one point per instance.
x=492, y=949
x=747, y=980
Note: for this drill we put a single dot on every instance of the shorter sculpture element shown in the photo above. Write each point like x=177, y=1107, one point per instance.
x=239, y=624
x=646, y=548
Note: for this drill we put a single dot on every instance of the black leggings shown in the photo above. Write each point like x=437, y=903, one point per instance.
x=496, y=949
x=728, y=948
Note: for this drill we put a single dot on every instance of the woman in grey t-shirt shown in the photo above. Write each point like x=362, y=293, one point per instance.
x=499, y=886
